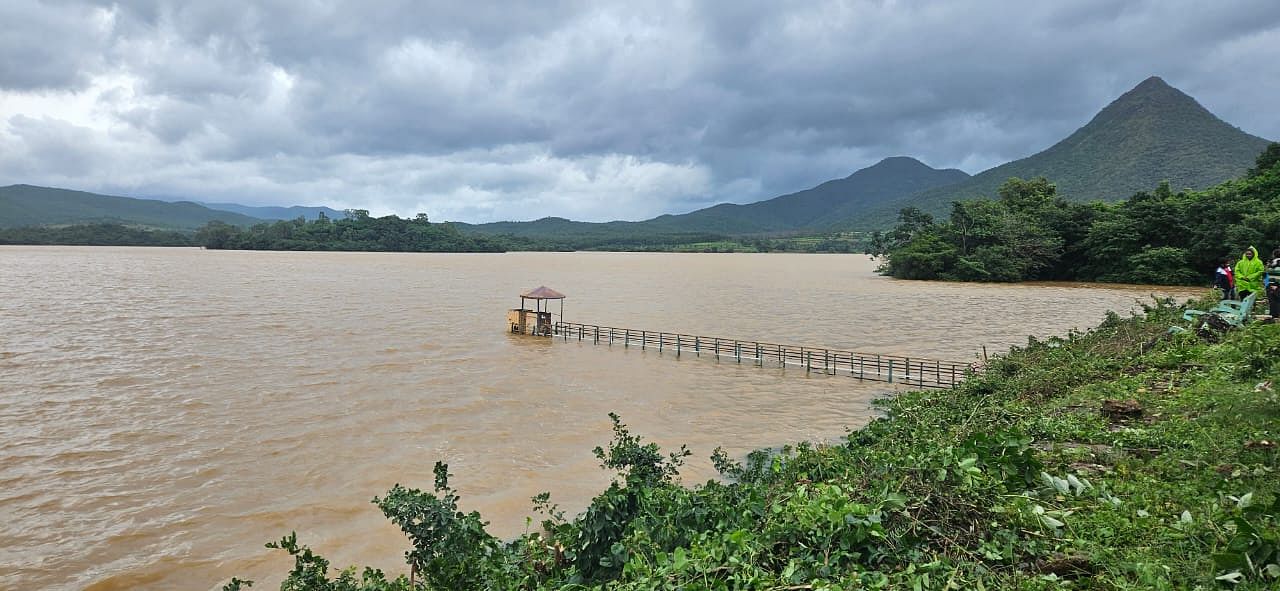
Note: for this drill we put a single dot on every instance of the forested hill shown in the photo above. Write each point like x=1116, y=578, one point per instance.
x=1150, y=134
x=817, y=208
x=28, y=205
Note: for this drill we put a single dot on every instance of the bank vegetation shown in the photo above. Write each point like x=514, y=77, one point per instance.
x=1120, y=458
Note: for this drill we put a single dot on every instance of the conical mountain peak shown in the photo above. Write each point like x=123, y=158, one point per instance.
x=1151, y=133
x=1151, y=84
x=1152, y=94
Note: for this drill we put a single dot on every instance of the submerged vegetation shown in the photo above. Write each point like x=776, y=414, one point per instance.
x=1031, y=233
x=1120, y=458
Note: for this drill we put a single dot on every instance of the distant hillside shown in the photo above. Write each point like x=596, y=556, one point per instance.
x=27, y=205
x=890, y=180
x=1152, y=133
x=277, y=213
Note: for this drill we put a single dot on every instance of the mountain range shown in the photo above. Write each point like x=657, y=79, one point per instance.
x=869, y=187
x=268, y=212
x=1151, y=133
x=29, y=205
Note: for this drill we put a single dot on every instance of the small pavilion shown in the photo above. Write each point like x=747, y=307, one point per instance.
x=537, y=321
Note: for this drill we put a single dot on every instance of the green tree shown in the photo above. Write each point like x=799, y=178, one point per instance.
x=1027, y=195
x=1266, y=161
x=215, y=234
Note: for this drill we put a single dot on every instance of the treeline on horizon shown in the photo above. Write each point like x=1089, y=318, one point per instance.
x=687, y=242
x=1029, y=232
x=95, y=234
x=357, y=232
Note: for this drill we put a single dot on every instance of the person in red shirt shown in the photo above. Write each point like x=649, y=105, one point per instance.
x=1224, y=280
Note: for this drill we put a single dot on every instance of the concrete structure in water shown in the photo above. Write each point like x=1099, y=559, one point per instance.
x=538, y=320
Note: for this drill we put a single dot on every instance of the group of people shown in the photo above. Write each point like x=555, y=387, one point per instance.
x=1251, y=275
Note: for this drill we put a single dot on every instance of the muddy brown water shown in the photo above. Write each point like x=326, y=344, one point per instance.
x=165, y=412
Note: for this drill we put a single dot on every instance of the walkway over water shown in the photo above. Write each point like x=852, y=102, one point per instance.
x=911, y=371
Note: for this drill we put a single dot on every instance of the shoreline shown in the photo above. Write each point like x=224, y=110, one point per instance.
x=1123, y=455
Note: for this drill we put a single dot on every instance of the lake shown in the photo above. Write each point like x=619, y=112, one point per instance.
x=164, y=412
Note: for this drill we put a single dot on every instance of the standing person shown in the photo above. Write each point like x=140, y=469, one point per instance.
x=1231, y=279
x=1222, y=279
x=1249, y=274
x=1273, y=285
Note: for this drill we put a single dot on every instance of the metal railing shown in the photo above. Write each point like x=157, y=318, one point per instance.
x=911, y=371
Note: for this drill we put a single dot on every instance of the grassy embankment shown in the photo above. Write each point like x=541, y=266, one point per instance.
x=1018, y=479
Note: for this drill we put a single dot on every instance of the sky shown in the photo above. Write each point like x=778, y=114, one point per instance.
x=482, y=111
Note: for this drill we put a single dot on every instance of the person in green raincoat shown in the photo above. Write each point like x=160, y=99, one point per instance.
x=1249, y=274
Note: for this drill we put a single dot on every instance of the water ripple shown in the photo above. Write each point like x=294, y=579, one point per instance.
x=163, y=412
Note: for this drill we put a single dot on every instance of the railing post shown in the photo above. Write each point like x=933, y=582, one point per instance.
x=891, y=370
x=659, y=342
x=717, y=349
x=759, y=358
x=644, y=339
x=677, y=345
x=806, y=355
x=697, y=346
x=597, y=335
x=626, y=339
x=737, y=350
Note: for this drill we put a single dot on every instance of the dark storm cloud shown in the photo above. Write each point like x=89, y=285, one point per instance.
x=49, y=45
x=590, y=110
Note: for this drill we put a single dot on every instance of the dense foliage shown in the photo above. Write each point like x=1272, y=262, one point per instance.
x=94, y=235
x=1020, y=478
x=1030, y=233
x=358, y=231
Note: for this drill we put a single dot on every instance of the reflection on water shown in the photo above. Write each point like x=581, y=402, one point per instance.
x=164, y=412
